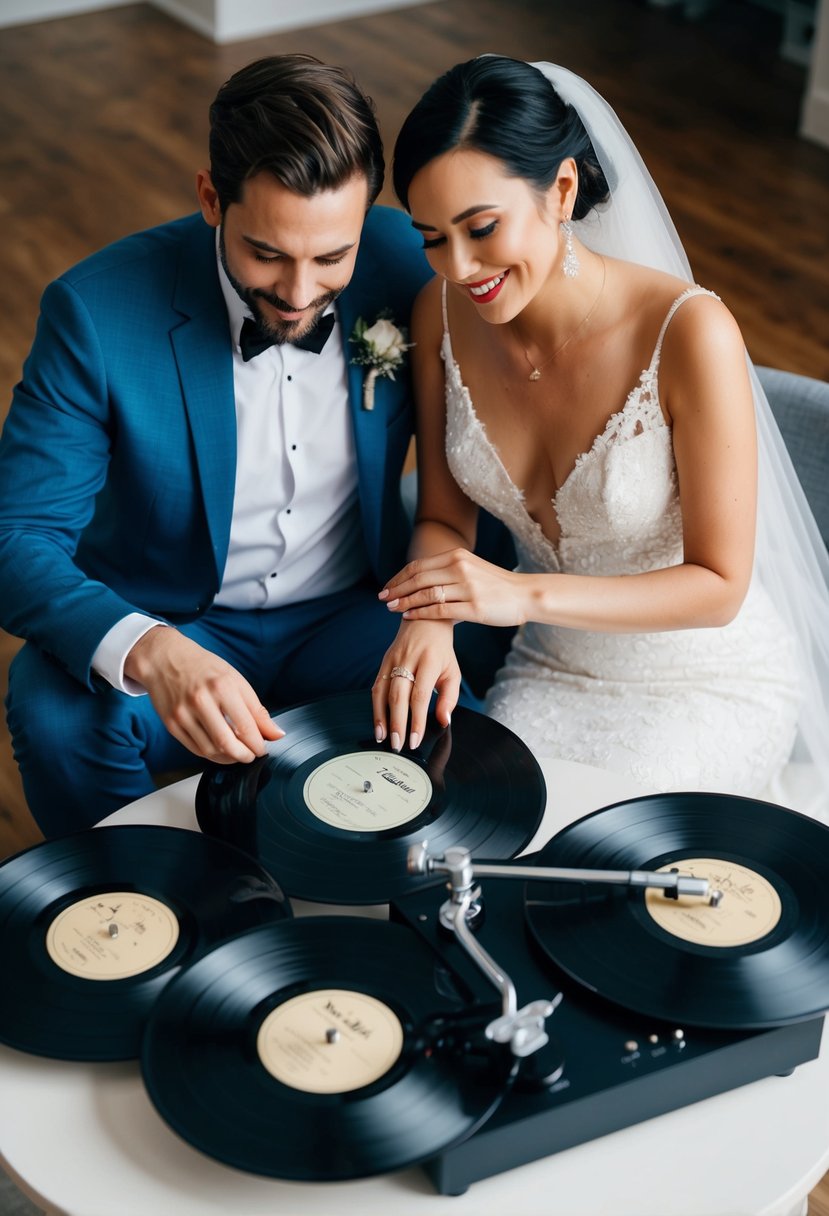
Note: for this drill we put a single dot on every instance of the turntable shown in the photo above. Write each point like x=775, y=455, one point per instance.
x=557, y=998
x=676, y=1039
x=524, y=1013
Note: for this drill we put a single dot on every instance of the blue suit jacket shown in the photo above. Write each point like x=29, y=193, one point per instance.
x=118, y=457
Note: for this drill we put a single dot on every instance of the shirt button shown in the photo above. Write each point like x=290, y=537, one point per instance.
x=273, y=575
x=290, y=377
x=293, y=447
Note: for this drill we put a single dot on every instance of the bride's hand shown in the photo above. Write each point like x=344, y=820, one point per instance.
x=457, y=586
x=420, y=659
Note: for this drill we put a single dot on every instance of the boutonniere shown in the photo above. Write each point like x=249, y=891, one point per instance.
x=381, y=347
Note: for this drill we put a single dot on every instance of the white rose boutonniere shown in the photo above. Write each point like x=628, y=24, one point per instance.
x=381, y=348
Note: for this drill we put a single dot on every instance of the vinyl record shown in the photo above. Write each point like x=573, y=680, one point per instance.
x=760, y=959
x=93, y=925
x=320, y=1049
x=331, y=813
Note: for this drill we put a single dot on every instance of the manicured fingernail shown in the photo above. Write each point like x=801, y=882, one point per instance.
x=395, y=741
x=392, y=603
x=379, y=732
x=414, y=739
x=383, y=595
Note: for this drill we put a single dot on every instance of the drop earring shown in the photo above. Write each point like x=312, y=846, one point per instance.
x=571, y=265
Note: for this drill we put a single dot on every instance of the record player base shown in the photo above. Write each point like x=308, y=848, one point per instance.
x=620, y=1067
x=521, y=1132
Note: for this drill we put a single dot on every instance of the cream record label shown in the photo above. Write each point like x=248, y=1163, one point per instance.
x=367, y=791
x=112, y=935
x=330, y=1041
x=750, y=906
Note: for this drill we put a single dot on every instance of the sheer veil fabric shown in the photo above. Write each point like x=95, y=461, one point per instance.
x=791, y=560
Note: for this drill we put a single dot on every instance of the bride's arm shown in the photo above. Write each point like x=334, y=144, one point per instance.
x=446, y=520
x=707, y=397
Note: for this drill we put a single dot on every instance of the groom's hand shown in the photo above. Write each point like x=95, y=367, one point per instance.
x=203, y=701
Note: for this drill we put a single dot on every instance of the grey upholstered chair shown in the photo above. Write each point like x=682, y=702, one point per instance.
x=801, y=408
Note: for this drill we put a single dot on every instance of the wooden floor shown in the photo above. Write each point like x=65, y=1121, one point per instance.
x=104, y=124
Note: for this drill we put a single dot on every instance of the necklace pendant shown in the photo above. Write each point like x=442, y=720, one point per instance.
x=535, y=374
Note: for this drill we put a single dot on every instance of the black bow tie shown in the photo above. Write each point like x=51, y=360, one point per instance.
x=253, y=341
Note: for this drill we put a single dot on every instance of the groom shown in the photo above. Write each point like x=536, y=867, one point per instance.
x=195, y=502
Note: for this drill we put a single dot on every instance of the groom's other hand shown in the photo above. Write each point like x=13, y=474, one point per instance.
x=203, y=702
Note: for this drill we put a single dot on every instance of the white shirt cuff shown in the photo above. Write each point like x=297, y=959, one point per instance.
x=111, y=654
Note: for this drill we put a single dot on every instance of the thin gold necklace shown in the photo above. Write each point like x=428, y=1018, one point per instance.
x=535, y=374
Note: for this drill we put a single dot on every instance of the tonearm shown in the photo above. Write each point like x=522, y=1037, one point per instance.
x=524, y=1028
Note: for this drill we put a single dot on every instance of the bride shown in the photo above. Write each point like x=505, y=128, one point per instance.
x=671, y=591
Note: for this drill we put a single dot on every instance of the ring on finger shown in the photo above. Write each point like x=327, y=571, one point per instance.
x=403, y=672
x=440, y=593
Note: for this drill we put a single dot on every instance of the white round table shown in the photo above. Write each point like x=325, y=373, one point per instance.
x=84, y=1139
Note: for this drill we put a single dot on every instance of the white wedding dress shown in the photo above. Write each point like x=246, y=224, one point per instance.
x=707, y=709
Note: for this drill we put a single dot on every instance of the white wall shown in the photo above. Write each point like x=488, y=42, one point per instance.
x=219, y=20
x=814, y=118
x=230, y=20
x=21, y=12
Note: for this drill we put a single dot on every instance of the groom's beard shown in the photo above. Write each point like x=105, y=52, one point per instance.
x=279, y=331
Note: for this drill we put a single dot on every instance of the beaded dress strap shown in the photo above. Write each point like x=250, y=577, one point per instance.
x=444, y=309
x=686, y=295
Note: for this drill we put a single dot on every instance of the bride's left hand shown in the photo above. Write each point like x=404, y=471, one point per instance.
x=457, y=586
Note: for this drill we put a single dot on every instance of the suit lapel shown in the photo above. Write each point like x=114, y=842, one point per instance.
x=369, y=425
x=202, y=349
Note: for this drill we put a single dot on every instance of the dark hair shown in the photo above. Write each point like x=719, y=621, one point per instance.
x=304, y=121
x=509, y=110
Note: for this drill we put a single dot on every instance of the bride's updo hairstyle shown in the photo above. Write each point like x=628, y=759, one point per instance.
x=509, y=110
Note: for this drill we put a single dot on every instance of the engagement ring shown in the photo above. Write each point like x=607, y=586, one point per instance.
x=404, y=672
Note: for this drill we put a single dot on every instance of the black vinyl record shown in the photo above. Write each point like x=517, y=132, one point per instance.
x=759, y=960
x=320, y=1049
x=305, y=812
x=93, y=925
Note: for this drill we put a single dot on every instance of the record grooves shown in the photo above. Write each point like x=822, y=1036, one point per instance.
x=75, y=993
x=314, y=810
x=613, y=940
x=203, y=1069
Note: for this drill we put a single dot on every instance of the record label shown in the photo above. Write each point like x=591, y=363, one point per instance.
x=750, y=906
x=330, y=1041
x=367, y=791
x=112, y=935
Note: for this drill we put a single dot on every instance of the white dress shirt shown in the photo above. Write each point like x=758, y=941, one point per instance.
x=295, y=530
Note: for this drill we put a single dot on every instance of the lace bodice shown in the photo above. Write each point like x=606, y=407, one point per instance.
x=683, y=709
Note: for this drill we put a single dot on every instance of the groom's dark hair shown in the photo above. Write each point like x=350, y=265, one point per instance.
x=303, y=121
x=509, y=110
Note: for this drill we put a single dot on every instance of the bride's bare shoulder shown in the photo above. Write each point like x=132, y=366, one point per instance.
x=642, y=284
x=647, y=296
